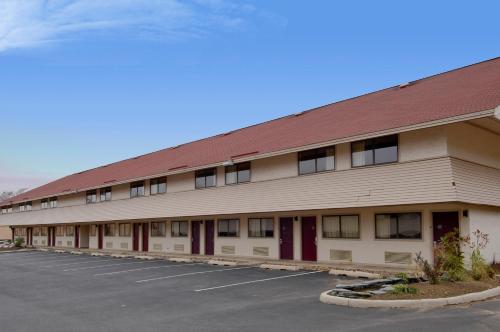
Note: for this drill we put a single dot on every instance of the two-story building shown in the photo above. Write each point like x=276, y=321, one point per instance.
x=372, y=180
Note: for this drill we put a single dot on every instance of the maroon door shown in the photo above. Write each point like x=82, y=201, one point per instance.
x=29, y=235
x=195, y=237
x=286, y=238
x=77, y=236
x=135, y=237
x=308, y=238
x=53, y=236
x=209, y=237
x=145, y=237
x=442, y=223
x=49, y=238
x=100, y=236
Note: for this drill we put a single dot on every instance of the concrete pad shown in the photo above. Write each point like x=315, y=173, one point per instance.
x=280, y=267
x=180, y=260
x=222, y=263
x=120, y=256
x=60, y=251
x=149, y=258
x=355, y=274
x=76, y=253
x=97, y=254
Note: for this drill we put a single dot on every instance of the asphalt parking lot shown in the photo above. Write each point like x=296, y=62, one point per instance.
x=45, y=291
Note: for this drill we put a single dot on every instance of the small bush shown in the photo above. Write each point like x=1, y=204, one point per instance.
x=431, y=272
x=404, y=289
x=453, y=257
x=479, y=268
x=19, y=242
x=403, y=276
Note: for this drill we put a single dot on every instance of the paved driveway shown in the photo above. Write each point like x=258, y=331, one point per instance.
x=42, y=291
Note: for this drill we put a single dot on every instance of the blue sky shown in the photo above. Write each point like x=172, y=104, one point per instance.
x=85, y=83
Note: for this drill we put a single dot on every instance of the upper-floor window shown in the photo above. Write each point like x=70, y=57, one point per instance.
x=228, y=227
x=205, y=178
x=238, y=173
x=105, y=194
x=379, y=150
x=158, y=186
x=317, y=160
x=158, y=229
x=7, y=209
x=26, y=206
x=261, y=227
x=344, y=226
x=44, y=204
x=91, y=196
x=53, y=202
x=137, y=189
x=398, y=226
x=179, y=228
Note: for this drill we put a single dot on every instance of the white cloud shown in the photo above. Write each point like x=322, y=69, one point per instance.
x=34, y=23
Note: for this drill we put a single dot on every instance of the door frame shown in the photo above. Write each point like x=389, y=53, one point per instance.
x=291, y=219
x=195, y=235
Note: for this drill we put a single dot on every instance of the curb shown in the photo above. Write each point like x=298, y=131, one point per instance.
x=355, y=274
x=180, y=260
x=280, y=267
x=422, y=303
x=148, y=258
x=222, y=263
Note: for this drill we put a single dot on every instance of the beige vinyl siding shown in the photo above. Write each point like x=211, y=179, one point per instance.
x=401, y=183
x=5, y=233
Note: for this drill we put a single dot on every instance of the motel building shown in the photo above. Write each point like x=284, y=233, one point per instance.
x=367, y=181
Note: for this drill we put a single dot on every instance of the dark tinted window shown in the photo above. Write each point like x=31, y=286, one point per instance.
x=205, y=178
x=158, y=186
x=398, y=226
x=238, y=173
x=317, y=160
x=137, y=189
x=374, y=151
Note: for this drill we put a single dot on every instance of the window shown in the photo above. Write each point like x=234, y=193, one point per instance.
x=93, y=230
x=59, y=230
x=19, y=231
x=44, y=204
x=317, y=160
x=53, y=202
x=105, y=194
x=179, y=228
x=380, y=150
x=229, y=227
x=7, y=209
x=36, y=231
x=44, y=231
x=158, y=186
x=124, y=229
x=109, y=229
x=70, y=230
x=26, y=206
x=344, y=227
x=205, y=178
x=398, y=226
x=238, y=173
x=261, y=227
x=91, y=196
x=137, y=189
x=158, y=229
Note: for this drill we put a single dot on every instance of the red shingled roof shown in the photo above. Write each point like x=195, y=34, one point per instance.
x=466, y=90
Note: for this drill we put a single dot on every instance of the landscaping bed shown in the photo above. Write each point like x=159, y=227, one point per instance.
x=444, y=289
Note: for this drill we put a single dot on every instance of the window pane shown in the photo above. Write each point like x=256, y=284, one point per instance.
x=244, y=176
x=349, y=226
x=253, y=227
x=154, y=189
x=231, y=174
x=162, y=188
x=386, y=149
x=210, y=181
x=267, y=227
x=200, y=182
x=362, y=154
x=140, y=191
x=233, y=229
x=409, y=225
x=331, y=227
x=183, y=228
x=307, y=166
x=383, y=226
x=223, y=228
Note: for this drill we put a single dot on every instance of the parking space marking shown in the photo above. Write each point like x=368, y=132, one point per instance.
x=53, y=260
x=93, y=260
x=256, y=281
x=144, y=268
x=193, y=273
x=99, y=266
x=8, y=256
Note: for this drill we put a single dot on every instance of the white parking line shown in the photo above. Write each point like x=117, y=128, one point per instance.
x=144, y=268
x=107, y=265
x=256, y=281
x=39, y=260
x=193, y=273
x=24, y=255
x=94, y=260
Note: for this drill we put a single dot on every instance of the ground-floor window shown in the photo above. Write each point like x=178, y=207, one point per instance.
x=158, y=229
x=20, y=231
x=59, y=230
x=36, y=231
x=44, y=231
x=70, y=230
x=228, y=227
x=124, y=229
x=342, y=227
x=179, y=228
x=260, y=227
x=398, y=226
x=109, y=230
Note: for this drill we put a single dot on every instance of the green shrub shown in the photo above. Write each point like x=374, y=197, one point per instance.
x=431, y=272
x=453, y=266
x=404, y=289
x=19, y=242
x=479, y=268
x=403, y=276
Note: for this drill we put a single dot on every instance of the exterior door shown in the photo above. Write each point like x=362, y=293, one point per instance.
x=100, y=236
x=29, y=236
x=135, y=237
x=286, y=238
x=309, y=238
x=49, y=238
x=145, y=236
x=209, y=237
x=77, y=237
x=195, y=237
x=52, y=236
x=442, y=223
